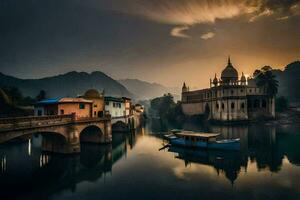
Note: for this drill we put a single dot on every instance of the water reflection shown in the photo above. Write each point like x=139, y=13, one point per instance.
x=266, y=146
x=133, y=165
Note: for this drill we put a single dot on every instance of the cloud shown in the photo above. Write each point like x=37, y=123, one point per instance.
x=178, y=31
x=283, y=18
x=208, y=35
x=296, y=9
x=266, y=12
x=190, y=12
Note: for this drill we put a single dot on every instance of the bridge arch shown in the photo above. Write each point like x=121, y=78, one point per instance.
x=46, y=134
x=91, y=134
x=120, y=126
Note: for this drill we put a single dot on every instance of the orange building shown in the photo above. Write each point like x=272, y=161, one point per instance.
x=82, y=108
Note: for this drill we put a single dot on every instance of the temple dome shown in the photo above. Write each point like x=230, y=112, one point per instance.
x=229, y=73
x=92, y=93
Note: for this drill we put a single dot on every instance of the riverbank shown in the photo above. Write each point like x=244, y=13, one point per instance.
x=290, y=116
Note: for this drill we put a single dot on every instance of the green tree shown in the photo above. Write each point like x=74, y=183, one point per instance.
x=14, y=94
x=266, y=79
x=41, y=95
x=281, y=104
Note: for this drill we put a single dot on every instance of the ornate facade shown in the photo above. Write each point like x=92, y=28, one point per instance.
x=229, y=98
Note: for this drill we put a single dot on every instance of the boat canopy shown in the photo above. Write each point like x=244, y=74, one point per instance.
x=197, y=134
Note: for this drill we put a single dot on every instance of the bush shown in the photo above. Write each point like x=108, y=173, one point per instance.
x=281, y=104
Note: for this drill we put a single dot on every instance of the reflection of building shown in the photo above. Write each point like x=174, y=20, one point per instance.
x=229, y=98
x=63, y=106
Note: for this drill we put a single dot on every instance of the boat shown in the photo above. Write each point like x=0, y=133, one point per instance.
x=202, y=140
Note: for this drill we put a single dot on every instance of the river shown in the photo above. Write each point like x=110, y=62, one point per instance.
x=134, y=167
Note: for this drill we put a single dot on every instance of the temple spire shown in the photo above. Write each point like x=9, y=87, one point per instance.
x=229, y=61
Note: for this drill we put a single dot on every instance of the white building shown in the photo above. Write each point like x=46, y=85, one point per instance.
x=115, y=106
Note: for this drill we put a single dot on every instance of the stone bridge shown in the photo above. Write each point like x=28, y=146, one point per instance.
x=125, y=123
x=61, y=133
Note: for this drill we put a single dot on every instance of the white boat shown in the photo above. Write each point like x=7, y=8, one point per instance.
x=202, y=140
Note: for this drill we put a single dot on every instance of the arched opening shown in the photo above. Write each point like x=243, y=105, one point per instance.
x=54, y=142
x=242, y=106
x=232, y=106
x=120, y=126
x=223, y=106
x=207, y=111
x=91, y=134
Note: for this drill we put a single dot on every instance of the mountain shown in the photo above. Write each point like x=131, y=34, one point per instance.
x=145, y=90
x=289, y=80
x=70, y=84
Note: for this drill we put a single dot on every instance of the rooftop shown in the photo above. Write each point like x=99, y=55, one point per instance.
x=63, y=100
x=197, y=134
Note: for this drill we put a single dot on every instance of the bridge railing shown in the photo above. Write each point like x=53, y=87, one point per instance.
x=34, y=121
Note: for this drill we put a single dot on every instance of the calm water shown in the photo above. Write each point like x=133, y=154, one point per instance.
x=133, y=167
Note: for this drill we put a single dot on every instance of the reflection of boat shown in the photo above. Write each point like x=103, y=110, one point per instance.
x=202, y=140
x=227, y=162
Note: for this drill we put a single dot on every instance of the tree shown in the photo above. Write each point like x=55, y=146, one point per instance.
x=41, y=95
x=265, y=78
x=14, y=94
x=281, y=104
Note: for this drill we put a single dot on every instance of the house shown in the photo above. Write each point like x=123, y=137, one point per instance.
x=117, y=107
x=81, y=107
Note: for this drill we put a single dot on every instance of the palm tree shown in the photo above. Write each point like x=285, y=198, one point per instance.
x=265, y=78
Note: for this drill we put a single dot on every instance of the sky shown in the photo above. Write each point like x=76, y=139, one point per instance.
x=163, y=41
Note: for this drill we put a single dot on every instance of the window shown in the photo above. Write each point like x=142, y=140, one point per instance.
x=95, y=113
x=242, y=91
x=100, y=113
x=107, y=103
x=232, y=105
x=62, y=112
x=223, y=106
x=217, y=106
x=250, y=90
x=242, y=106
x=232, y=91
x=81, y=106
x=95, y=106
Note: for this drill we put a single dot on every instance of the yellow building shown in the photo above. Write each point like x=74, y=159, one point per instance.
x=98, y=107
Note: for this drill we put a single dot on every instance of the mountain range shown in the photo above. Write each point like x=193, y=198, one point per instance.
x=145, y=90
x=67, y=85
x=75, y=83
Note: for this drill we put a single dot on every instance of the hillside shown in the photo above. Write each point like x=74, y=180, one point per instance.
x=69, y=84
x=289, y=80
x=145, y=90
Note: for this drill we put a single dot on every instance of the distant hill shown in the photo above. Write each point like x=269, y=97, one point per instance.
x=289, y=80
x=69, y=84
x=145, y=90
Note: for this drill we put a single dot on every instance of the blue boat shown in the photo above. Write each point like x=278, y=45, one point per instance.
x=202, y=140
